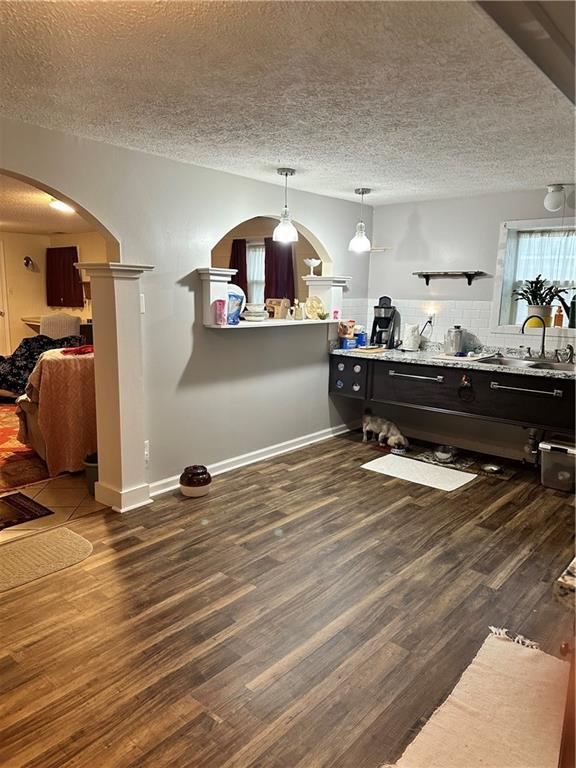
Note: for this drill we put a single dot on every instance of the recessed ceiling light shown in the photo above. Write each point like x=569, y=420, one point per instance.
x=62, y=207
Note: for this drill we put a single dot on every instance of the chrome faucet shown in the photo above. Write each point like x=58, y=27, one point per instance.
x=565, y=355
x=543, y=345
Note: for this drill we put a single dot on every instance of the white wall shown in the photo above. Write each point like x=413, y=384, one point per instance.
x=445, y=234
x=450, y=234
x=26, y=288
x=210, y=395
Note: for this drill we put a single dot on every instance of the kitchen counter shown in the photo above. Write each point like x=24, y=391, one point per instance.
x=533, y=398
x=442, y=361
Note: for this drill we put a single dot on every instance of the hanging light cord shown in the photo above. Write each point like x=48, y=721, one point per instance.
x=362, y=207
x=285, y=191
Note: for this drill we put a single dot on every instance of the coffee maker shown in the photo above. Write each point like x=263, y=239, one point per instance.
x=386, y=324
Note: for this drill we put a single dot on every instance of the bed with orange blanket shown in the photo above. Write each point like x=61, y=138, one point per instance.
x=58, y=412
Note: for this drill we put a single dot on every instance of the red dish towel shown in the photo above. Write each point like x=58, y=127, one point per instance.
x=86, y=349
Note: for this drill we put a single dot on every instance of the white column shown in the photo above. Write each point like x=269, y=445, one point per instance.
x=116, y=310
x=329, y=288
x=214, y=286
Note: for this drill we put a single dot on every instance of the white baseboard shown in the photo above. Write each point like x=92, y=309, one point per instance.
x=123, y=501
x=170, y=483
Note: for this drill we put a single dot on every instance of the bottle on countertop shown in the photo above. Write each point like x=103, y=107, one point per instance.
x=559, y=318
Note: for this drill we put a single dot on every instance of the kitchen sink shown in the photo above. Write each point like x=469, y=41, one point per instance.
x=550, y=366
x=515, y=362
x=508, y=362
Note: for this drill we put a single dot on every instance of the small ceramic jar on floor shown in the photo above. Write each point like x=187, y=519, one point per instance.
x=195, y=481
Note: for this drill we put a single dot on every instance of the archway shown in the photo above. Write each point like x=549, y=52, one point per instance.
x=116, y=309
x=112, y=243
x=256, y=229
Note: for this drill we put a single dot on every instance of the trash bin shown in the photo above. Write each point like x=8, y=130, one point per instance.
x=558, y=457
x=91, y=467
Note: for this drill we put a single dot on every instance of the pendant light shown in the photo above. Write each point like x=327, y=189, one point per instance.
x=360, y=242
x=285, y=232
x=61, y=206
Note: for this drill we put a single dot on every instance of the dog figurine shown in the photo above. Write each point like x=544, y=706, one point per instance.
x=386, y=430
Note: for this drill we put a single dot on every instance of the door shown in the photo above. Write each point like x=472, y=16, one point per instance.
x=5, y=346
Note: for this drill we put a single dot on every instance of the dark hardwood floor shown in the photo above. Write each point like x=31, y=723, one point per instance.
x=307, y=614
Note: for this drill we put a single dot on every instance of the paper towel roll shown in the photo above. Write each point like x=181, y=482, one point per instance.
x=411, y=340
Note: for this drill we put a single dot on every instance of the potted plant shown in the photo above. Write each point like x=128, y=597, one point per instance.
x=539, y=295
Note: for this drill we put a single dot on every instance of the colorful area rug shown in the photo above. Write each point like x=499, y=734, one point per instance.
x=9, y=430
x=15, y=508
x=506, y=711
x=19, y=464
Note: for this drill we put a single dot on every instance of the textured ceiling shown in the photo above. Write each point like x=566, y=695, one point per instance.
x=26, y=209
x=414, y=99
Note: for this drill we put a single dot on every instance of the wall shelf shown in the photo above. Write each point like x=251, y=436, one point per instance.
x=469, y=274
x=271, y=324
x=215, y=283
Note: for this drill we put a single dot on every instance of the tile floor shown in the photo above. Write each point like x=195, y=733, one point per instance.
x=67, y=496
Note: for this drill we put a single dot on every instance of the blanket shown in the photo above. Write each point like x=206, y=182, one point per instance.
x=63, y=390
x=15, y=368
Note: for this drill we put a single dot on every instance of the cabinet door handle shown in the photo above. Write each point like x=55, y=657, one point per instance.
x=551, y=392
x=438, y=379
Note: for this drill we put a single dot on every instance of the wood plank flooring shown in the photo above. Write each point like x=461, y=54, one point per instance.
x=307, y=614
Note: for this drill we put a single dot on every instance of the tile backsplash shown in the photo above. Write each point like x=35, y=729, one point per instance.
x=472, y=315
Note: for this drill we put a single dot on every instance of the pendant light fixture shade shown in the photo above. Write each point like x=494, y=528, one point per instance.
x=360, y=242
x=59, y=205
x=554, y=199
x=285, y=232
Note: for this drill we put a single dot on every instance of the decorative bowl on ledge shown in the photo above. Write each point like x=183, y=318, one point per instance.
x=311, y=263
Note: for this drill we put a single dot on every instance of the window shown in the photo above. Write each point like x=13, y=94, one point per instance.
x=255, y=272
x=528, y=249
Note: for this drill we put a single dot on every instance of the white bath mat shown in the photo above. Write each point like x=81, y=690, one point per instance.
x=442, y=478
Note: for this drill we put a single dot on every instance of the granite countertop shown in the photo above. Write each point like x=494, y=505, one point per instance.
x=565, y=585
x=436, y=358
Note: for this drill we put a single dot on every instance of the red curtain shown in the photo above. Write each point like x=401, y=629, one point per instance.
x=63, y=281
x=238, y=261
x=279, y=270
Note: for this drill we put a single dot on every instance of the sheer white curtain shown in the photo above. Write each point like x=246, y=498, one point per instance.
x=550, y=253
x=256, y=273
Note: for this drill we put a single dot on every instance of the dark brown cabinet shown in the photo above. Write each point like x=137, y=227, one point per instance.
x=537, y=401
x=430, y=386
x=349, y=376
